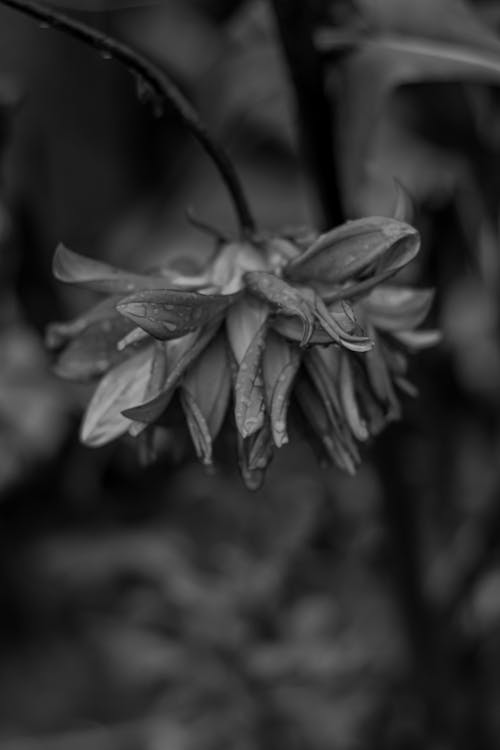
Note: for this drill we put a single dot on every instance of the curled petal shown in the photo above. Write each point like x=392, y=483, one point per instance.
x=353, y=249
x=283, y=298
x=330, y=324
x=170, y=314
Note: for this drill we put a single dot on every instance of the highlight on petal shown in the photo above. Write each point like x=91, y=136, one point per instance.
x=350, y=250
x=180, y=354
x=397, y=308
x=123, y=386
x=170, y=313
x=73, y=268
x=205, y=392
x=280, y=365
x=418, y=339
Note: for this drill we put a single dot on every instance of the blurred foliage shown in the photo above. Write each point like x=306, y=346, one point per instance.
x=167, y=608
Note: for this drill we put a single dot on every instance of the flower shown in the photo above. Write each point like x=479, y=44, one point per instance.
x=268, y=324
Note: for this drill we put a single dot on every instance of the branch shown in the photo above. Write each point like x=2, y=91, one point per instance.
x=158, y=82
x=294, y=22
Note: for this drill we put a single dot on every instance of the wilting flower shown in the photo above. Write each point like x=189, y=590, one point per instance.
x=269, y=323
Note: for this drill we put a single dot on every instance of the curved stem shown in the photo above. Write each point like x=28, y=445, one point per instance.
x=159, y=83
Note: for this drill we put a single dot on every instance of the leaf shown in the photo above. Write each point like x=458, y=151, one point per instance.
x=180, y=354
x=280, y=365
x=72, y=268
x=170, y=314
x=441, y=40
x=249, y=398
x=393, y=308
x=205, y=395
x=354, y=248
x=123, y=386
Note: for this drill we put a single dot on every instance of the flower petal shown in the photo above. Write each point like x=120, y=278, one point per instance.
x=170, y=314
x=123, y=386
x=419, y=339
x=255, y=454
x=205, y=395
x=73, y=268
x=94, y=350
x=283, y=298
x=280, y=365
x=393, y=308
x=243, y=321
x=180, y=354
x=349, y=401
x=352, y=248
x=59, y=334
x=249, y=398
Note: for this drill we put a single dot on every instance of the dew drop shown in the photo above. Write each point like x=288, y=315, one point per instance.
x=105, y=55
x=44, y=25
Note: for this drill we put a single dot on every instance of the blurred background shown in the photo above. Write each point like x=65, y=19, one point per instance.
x=161, y=608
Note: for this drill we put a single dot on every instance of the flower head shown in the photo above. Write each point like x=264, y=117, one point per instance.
x=279, y=321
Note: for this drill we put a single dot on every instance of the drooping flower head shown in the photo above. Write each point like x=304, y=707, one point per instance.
x=279, y=321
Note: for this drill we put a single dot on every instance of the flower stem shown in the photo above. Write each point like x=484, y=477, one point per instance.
x=294, y=24
x=159, y=84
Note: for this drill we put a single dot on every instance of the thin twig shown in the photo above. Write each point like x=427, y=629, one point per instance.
x=160, y=85
x=294, y=23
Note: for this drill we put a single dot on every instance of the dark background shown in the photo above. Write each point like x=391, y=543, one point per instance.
x=164, y=608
